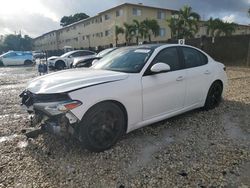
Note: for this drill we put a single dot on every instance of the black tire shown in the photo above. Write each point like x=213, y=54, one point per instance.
x=28, y=62
x=1, y=64
x=60, y=65
x=214, y=96
x=102, y=126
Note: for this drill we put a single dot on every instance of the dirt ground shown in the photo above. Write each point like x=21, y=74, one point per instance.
x=196, y=149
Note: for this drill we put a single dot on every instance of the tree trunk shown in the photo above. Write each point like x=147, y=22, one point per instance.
x=149, y=38
x=116, y=41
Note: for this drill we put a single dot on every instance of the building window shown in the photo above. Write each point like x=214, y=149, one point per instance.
x=162, y=32
x=101, y=34
x=75, y=39
x=100, y=19
x=107, y=33
x=107, y=16
x=83, y=37
x=119, y=12
x=161, y=15
x=136, y=12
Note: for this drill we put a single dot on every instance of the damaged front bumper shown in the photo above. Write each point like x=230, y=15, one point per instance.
x=51, y=112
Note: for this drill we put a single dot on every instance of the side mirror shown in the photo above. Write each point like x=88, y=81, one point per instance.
x=160, y=67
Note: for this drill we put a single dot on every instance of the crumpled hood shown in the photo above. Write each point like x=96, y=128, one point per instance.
x=73, y=79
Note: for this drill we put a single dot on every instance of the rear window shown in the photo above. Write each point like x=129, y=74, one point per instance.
x=193, y=57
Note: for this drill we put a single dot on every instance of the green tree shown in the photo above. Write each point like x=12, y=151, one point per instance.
x=150, y=27
x=17, y=42
x=227, y=28
x=216, y=27
x=118, y=30
x=129, y=32
x=174, y=27
x=67, y=20
x=185, y=24
x=188, y=22
x=137, y=29
x=213, y=26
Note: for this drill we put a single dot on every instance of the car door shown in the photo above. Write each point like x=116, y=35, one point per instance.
x=19, y=58
x=198, y=75
x=9, y=59
x=164, y=92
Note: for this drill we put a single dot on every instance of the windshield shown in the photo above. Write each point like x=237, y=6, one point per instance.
x=130, y=60
x=105, y=52
x=4, y=54
x=67, y=54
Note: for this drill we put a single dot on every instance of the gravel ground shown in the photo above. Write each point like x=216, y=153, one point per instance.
x=196, y=149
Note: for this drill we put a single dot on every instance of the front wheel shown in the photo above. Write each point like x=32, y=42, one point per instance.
x=214, y=96
x=102, y=126
x=60, y=65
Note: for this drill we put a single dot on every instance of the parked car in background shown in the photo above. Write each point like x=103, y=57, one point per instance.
x=66, y=60
x=88, y=61
x=17, y=58
x=127, y=89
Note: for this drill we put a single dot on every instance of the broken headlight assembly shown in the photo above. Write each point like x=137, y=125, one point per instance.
x=56, y=108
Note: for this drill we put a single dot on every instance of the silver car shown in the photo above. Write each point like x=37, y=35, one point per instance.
x=16, y=58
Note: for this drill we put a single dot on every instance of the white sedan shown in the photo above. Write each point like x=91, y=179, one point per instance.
x=66, y=60
x=130, y=88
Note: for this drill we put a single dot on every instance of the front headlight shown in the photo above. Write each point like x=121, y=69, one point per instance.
x=56, y=108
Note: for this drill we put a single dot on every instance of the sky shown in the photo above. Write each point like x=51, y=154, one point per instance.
x=35, y=17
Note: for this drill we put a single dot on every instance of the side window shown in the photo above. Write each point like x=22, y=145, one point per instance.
x=170, y=57
x=76, y=54
x=88, y=53
x=193, y=58
x=9, y=55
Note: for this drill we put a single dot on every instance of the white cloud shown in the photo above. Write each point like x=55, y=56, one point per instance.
x=35, y=17
x=229, y=19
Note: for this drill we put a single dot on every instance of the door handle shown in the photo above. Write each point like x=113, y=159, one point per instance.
x=207, y=72
x=180, y=78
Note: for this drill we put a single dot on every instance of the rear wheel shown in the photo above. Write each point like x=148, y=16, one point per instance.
x=214, y=96
x=102, y=126
x=28, y=62
x=60, y=65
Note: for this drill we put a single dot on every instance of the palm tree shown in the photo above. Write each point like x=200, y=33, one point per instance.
x=227, y=28
x=213, y=27
x=129, y=32
x=138, y=30
x=188, y=21
x=118, y=30
x=150, y=27
x=173, y=24
x=216, y=27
